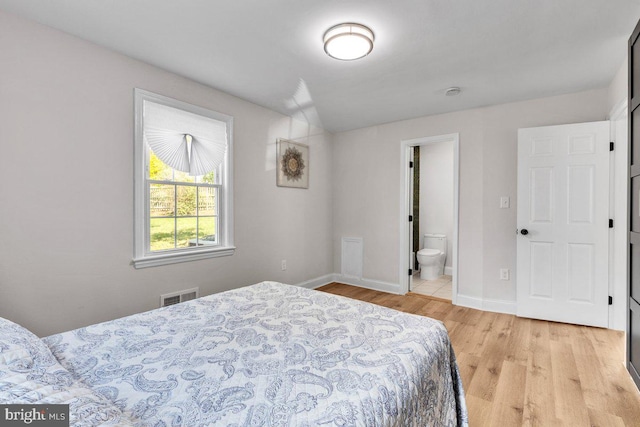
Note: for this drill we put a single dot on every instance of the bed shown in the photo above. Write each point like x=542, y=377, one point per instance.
x=265, y=355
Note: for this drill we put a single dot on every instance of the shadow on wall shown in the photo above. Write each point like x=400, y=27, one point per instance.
x=302, y=123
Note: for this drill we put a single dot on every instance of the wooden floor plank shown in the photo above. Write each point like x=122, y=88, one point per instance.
x=508, y=402
x=479, y=412
x=539, y=399
x=518, y=343
x=609, y=344
x=468, y=340
x=463, y=315
x=528, y=372
x=622, y=393
x=435, y=309
x=485, y=381
x=592, y=381
x=468, y=365
x=603, y=419
x=569, y=399
x=475, y=340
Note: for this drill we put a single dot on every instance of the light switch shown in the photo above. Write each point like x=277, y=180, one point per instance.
x=504, y=202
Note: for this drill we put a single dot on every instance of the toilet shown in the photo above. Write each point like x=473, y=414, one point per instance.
x=432, y=257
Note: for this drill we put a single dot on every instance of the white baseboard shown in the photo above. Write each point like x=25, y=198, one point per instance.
x=376, y=285
x=318, y=281
x=448, y=271
x=497, y=306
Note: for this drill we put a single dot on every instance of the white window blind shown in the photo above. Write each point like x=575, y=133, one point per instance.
x=185, y=141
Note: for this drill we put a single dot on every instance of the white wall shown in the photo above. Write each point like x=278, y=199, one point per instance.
x=436, y=192
x=619, y=87
x=66, y=216
x=66, y=186
x=367, y=182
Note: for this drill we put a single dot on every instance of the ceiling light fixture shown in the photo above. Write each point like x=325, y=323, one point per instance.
x=348, y=41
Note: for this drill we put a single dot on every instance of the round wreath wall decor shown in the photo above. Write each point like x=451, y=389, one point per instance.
x=292, y=164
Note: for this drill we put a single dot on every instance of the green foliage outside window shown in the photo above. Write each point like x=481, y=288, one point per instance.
x=168, y=201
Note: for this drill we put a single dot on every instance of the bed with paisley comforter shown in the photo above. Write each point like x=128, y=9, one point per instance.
x=264, y=355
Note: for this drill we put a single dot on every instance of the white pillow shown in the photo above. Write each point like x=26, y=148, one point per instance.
x=20, y=347
x=30, y=374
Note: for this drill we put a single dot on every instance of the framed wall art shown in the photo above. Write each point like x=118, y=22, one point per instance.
x=292, y=169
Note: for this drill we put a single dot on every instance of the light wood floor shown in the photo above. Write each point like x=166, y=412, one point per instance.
x=519, y=371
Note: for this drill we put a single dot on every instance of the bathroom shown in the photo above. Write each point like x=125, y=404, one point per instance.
x=433, y=219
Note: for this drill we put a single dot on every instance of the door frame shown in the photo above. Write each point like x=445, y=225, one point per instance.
x=619, y=211
x=405, y=198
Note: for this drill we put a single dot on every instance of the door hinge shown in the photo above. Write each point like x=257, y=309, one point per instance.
x=410, y=272
x=410, y=218
x=611, y=144
x=610, y=223
x=410, y=164
x=610, y=300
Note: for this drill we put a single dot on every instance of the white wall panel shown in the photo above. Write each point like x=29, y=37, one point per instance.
x=580, y=197
x=541, y=194
x=582, y=144
x=541, y=146
x=541, y=271
x=580, y=272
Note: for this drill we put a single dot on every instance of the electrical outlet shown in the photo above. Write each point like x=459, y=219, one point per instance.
x=504, y=274
x=283, y=265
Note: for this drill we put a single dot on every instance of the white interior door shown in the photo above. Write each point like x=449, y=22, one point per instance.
x=563, y=227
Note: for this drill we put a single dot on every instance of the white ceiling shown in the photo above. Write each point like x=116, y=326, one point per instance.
x=270, y=51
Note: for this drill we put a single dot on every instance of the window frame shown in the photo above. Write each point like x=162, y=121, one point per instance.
x=142, y=255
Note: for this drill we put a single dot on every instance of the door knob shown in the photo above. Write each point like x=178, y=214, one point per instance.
x=524, y=231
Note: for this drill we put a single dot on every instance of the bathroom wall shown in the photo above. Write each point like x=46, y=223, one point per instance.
x=436, y=193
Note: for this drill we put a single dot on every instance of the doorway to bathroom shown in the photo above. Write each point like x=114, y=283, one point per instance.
x=429, y=216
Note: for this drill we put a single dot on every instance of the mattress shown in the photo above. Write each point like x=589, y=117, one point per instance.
x=269, y=355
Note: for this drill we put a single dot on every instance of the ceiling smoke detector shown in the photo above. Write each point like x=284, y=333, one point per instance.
x=453, y=91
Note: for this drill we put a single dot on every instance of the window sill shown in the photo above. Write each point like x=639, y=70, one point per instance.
x=176, y=257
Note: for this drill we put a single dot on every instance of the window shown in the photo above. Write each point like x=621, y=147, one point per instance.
x=183, y=190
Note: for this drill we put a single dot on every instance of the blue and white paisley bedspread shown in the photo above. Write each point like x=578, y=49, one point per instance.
x=30, y=374
x=270, y=355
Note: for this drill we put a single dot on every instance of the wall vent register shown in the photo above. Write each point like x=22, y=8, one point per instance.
x=178, y=297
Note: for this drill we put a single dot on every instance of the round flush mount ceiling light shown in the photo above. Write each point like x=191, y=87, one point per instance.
x=348, y=41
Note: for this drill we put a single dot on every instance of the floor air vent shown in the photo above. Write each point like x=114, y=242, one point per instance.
x=177, y=297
